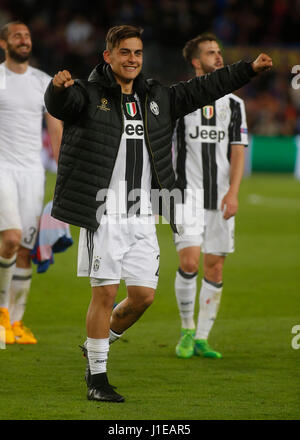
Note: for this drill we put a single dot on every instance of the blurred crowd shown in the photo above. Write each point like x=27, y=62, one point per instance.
x=70, y=34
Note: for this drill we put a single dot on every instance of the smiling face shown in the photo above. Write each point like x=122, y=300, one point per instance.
x=126, y=61
x=18, y=44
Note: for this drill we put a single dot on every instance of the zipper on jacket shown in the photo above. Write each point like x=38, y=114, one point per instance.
x=152, y=157
x=122, y=116
x=122, y=131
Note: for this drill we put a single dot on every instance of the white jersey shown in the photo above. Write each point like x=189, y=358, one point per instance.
x=203, y=143
x=130, y=185
x=21, y=115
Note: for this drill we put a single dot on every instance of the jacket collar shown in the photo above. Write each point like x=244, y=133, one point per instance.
x=102, y=74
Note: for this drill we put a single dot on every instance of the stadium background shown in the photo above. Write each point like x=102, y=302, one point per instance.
x=260, y=304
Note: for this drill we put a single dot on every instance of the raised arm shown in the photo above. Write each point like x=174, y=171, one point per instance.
x=64, y=97
x=186, y=97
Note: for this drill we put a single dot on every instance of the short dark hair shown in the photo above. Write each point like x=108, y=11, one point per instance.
x=5, y=29
x=191, y=49
x=118, y=33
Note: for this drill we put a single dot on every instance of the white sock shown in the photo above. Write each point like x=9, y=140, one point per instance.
x=97, y=354
x=209, y=300
x=6, y=273
x=113, y=336
x=185, y=290
x=19, y=290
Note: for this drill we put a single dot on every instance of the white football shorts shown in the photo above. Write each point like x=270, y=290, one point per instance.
x=125, y=249
x=21, y=202
x=217, y=236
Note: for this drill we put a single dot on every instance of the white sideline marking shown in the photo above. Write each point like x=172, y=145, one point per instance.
x=273, y=202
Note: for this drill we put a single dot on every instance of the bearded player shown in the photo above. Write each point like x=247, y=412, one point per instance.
x=209, y=152
x=22, y=177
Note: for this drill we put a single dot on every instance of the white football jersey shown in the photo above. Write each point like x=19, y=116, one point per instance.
x=130, y=185
x=21, y=115
x=202, y=145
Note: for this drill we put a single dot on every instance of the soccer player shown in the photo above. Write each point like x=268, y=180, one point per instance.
x=209, y=151
x=22, y=179
x=116, y=148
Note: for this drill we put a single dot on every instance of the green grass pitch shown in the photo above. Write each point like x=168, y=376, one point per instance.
x=258, y=377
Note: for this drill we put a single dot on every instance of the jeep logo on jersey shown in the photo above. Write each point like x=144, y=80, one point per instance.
x=208, y=111
x=131, y=108
x=134, y=129
x=207, y=135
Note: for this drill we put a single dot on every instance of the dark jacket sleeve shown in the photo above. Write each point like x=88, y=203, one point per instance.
x=187, y=96
x=68, y=104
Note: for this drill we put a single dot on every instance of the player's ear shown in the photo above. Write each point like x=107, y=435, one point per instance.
x=106, y=56
x=196, y=63
x=3, y=44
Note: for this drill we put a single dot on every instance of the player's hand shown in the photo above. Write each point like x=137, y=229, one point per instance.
x=262, y=63
x=62, y=80
x=229, y=205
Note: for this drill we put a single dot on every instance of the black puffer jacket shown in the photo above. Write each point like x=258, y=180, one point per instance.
x=93, y=126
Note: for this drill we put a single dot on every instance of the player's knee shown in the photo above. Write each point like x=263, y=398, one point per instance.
x=190, y=265
x=104, y=295
x=11, y=242
x=148, y=300
x=108, y=298
x=144, y=301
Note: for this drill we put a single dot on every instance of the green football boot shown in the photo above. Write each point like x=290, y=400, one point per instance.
x=202, y=348
x=185, y=346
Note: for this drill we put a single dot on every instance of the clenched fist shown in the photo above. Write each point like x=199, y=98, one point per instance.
x=62, y=80
x=262, y=63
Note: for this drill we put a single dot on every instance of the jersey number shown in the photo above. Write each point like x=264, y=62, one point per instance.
x=31, y=234
x=157, y=272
